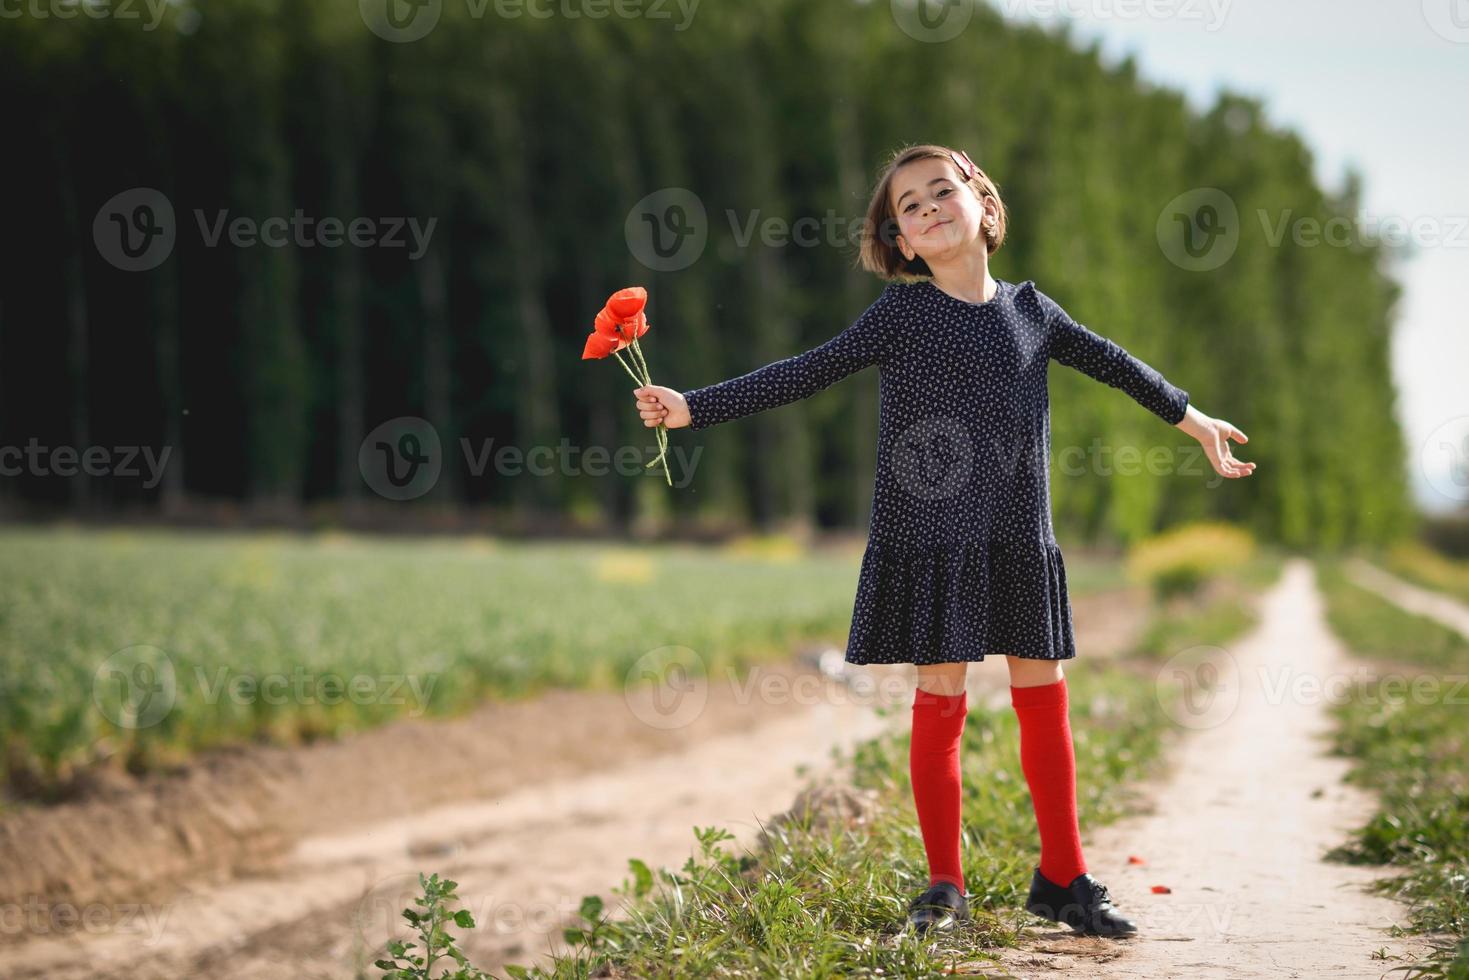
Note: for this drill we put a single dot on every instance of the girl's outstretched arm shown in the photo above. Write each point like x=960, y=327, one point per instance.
x=1075, y=346
x=865, y=342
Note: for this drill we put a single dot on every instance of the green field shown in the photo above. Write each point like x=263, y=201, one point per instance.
x=141, y=647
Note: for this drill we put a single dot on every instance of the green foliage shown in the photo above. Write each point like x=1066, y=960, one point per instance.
x=780, y=109
x=1181, y=560
x=430, y=923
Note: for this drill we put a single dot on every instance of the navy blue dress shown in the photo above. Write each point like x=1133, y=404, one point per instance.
x=961, y=558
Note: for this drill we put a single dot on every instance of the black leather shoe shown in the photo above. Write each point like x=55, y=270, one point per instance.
x=1084, y=905
x=940, y=907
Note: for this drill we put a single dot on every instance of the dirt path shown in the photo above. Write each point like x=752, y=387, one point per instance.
x=1437, y=606
x=526, y=857
x=562, y=791
x=1238, y=830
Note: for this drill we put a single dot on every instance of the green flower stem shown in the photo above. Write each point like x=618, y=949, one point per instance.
x=661, y=430
x=629, y=370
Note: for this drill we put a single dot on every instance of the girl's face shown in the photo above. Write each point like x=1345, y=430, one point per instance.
x=938, y=215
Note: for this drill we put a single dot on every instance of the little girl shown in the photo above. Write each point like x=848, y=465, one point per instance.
x=962, y=563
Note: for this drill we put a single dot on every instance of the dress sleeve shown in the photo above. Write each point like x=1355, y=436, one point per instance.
x=1075, y=346
x=865, y=342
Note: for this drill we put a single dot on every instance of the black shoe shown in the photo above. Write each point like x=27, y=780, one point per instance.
x=1084, y=905
x=940, y=907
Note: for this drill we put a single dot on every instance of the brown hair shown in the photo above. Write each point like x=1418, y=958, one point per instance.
x=880, y=253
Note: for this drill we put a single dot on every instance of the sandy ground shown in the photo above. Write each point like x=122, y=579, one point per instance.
x=1237, y=832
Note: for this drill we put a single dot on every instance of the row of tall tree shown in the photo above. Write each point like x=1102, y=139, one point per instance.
x=527, y=140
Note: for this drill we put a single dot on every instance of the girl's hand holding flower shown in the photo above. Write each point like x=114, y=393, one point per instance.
x=659, y=404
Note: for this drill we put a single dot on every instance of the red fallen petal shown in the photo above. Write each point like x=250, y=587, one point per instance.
x=1162, y=890
x=627, y=303
x=597, y=346
x=1134, y=859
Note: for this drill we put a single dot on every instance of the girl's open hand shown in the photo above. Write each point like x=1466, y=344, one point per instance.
x=659, y=404
x=1214, y=435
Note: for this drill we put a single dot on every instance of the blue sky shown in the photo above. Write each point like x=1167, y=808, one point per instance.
x=1381, y=84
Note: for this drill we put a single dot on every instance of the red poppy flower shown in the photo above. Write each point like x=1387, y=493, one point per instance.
x=597, y=346
x=624, y=330
x=627, y=303
x=618, y=325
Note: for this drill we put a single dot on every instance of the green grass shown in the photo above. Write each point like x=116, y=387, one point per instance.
x=1420, y=564
x=825, y=900
x=425, y=626
x=829, y=898
x=463, y=620
x=1221, y=612
x=1411, y=747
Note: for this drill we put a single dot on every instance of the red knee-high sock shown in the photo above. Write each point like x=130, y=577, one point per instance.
x=933, y=761
x=1047, y=756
